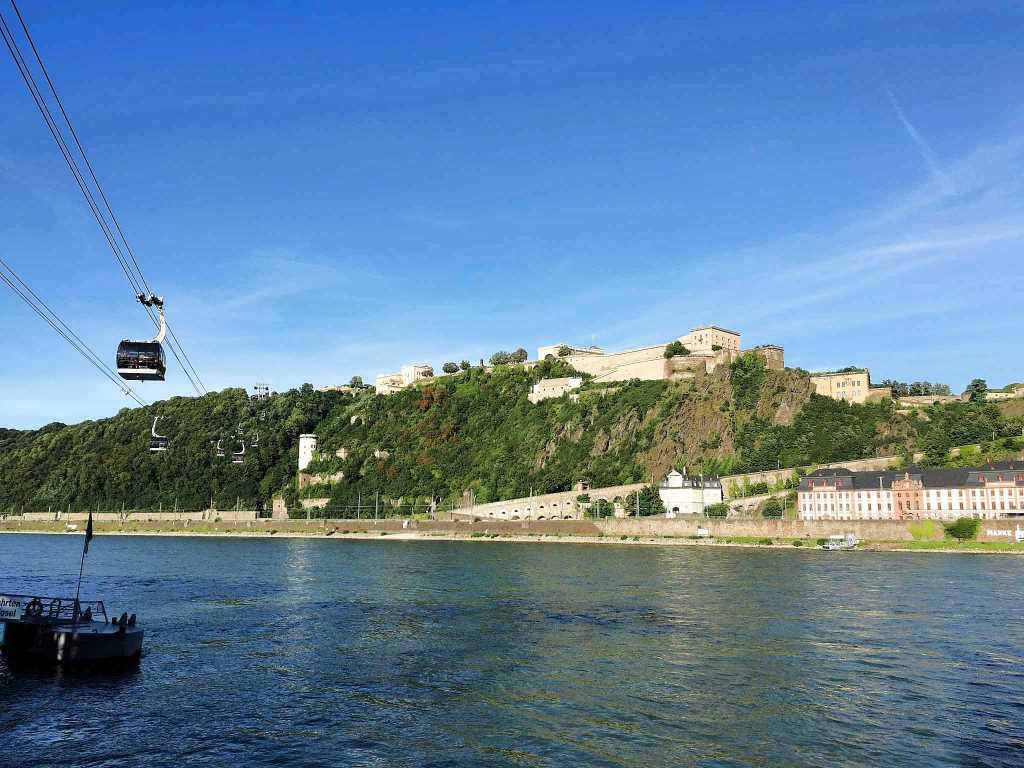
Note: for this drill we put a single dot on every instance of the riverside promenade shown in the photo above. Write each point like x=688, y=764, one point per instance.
x=647, y=527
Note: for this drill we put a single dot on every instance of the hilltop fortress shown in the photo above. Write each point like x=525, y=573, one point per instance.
x=704, y=348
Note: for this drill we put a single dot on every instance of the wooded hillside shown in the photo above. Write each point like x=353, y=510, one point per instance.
x=474, y=430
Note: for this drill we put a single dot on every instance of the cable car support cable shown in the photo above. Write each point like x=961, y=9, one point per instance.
x=40, y=307
x=132, y=271
x=106, y=202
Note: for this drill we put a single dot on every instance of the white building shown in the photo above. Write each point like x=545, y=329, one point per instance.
x=307, y=449
x=546, y=388
x=708, y=339
x=689, y=494
x=389, y=383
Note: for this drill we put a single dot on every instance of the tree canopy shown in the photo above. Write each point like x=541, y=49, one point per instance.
x=976, y=390
x=475, y=432
x=915, y=389
x=676, y=348
x=963, y=528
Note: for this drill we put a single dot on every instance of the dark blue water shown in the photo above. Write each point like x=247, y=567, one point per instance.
x=366, y=653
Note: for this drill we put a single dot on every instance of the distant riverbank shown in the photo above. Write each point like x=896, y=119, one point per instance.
x=332, y=530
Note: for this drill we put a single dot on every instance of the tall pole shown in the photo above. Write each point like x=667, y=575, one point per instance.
x=81, y=565
x=78, y=589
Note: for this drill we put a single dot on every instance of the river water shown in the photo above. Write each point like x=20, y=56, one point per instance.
x=387, y=653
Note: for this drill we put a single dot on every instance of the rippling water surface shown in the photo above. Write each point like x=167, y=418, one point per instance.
x=366, y=653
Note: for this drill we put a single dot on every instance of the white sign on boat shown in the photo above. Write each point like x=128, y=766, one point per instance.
x=12, y=606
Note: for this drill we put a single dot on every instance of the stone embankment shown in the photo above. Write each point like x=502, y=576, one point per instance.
x=648, y=528
x=205, y=515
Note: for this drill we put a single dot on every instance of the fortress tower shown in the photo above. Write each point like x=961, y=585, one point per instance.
x=307, y=447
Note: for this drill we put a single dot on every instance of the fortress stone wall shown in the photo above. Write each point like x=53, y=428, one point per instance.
x=547, y=506
x=709, y=345
x=563, y=505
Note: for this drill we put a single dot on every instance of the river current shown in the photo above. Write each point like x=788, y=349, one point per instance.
x=385, y=653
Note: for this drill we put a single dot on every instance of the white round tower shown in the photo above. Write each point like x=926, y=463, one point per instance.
x=307, y=447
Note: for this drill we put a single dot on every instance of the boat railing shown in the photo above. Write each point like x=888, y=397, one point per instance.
x=53, y=610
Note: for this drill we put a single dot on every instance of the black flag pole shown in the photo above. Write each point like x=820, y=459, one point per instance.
x=81, y=567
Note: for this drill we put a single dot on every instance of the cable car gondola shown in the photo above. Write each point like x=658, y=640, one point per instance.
x=238, y=457
x=157, y=442
x=144, y=360
x=220, y=450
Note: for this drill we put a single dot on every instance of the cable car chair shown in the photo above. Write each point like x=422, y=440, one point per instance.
x=157, y=443
x=220, y=450
x=144, y=360
x=238, y=457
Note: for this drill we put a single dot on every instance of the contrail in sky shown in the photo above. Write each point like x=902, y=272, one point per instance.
x=927, y=155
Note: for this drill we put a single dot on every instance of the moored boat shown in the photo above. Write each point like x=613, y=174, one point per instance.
x=65, y=631
x=840, y=542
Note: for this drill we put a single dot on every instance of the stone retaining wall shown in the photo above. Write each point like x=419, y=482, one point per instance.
x=227, y=516
x=875, y=530
x=559, y=505
x=780, y=530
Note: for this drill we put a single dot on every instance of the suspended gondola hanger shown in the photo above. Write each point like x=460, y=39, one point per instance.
x=238, y=457
x=157, y=443
x=144, y=360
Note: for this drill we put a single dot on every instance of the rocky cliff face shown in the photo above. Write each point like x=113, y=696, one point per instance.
x=701, y=419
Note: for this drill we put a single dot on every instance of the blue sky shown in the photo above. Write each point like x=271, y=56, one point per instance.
x=322, y=189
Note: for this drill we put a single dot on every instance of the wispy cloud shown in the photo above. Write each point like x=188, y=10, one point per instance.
x=927, y=155
x=902, y=264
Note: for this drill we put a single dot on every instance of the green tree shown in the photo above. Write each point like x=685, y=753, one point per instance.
x=676, y=349
x=747, y=374
x=897, y=388
x=501, y=358
x=977, y=390
x=564, y=351
x=936, y=446
x=450, y=367
x=771, y=508
x=465, y=365
x=356, y=381
x=519, y=356
x=963, y=528
x=721, y=509
x=601, y=508
x=649, y=503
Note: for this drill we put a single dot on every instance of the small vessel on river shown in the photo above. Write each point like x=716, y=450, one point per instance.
x=66, y=630
x=840, y=542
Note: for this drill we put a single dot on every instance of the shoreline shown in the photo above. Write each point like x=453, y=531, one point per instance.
x=660, y=541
